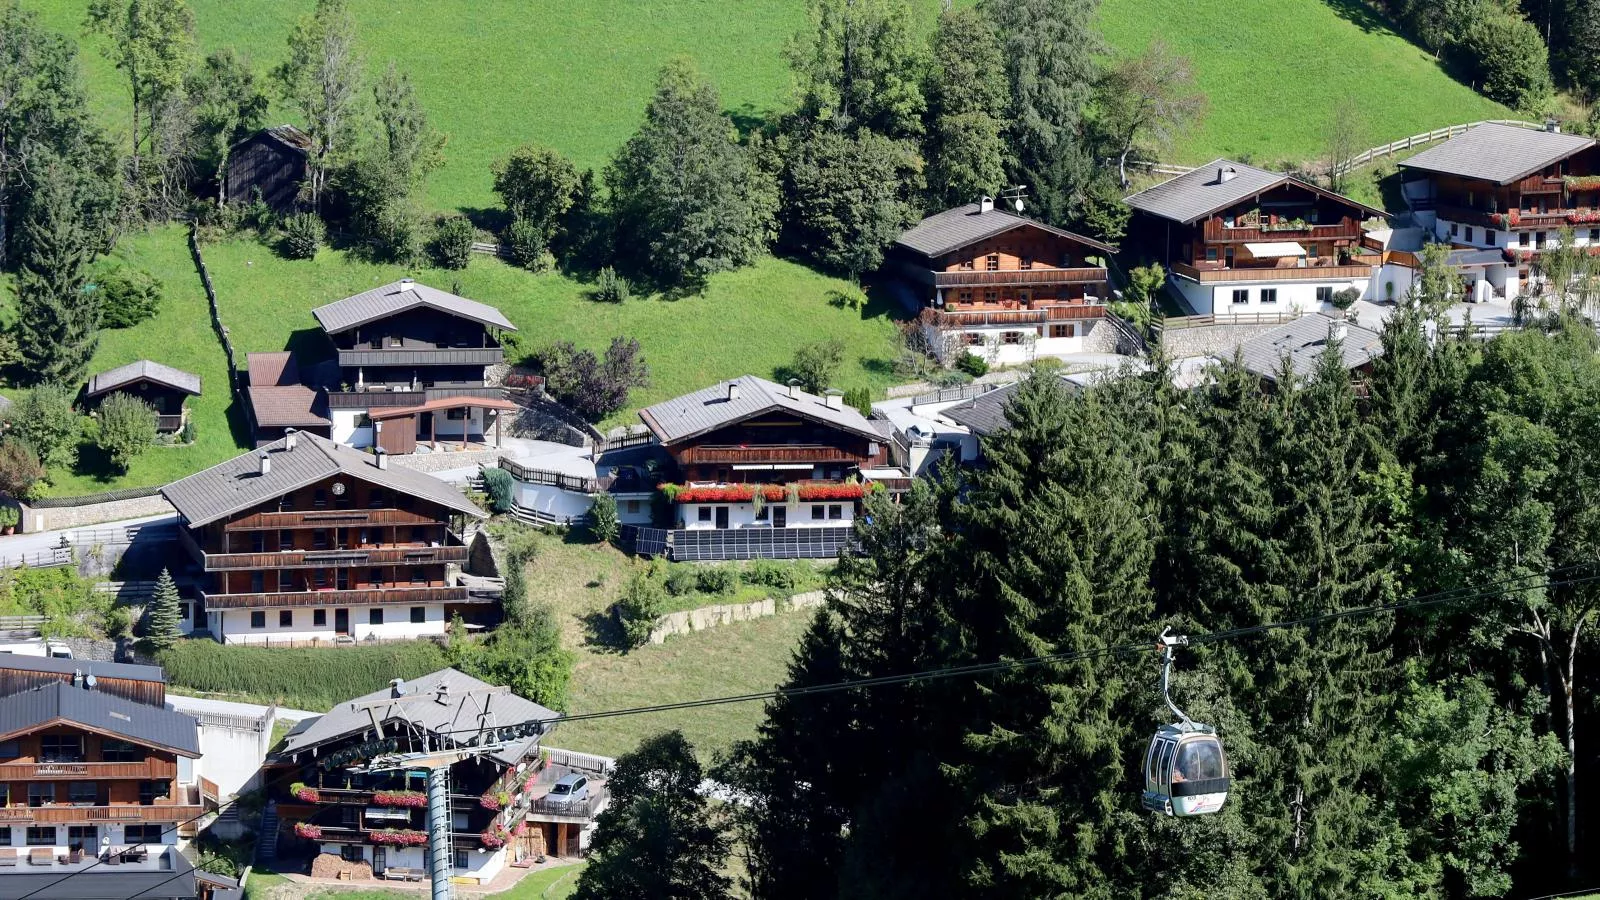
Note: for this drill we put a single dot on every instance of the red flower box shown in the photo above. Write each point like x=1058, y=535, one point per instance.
x=411, y=799
x=308, y=795
x=308, y=831
x=399, y=837
x=772, y=493
x=494, y=837
x=494, y=800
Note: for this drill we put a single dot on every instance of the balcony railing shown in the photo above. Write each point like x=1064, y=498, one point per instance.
x=374, y=399
x=73, y=771
x=169, y=423
x=1216, y=232
x=1018, y=277
x=62, y=814
x=969, y=318
x=1285, y=273
x=1542, y=184
x=736, y=453
x=434, y=356
x=320, y=559
x=331, y=516
x=577, y=483
x=400, y=594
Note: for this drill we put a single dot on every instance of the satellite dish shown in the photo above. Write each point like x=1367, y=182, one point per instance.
x=1019, y=204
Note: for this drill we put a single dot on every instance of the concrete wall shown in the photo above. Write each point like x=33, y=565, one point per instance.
x=345, y=430
x=743, y=515
x=711, y=616
x=550, y=499
x=1293, y=297
x=53, y=519
x=232, y=626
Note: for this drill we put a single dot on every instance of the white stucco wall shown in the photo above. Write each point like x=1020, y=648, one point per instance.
x=998, y=353
x=634, y=509
x=1293, y=297
x=743, y=515
x=231, y=757
x=235, y=625
x=19, y=842
x=345, y=430
x=553, y=500
x=482, y=864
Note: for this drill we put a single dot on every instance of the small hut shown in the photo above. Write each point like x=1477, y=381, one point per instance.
x=272, y=161
x=163, y=387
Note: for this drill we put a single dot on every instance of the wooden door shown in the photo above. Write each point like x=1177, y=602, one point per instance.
x=341, y=621
x=378, y=861
x=399, y=434
x=722, y=517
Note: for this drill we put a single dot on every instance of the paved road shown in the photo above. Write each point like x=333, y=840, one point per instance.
x=13, y=547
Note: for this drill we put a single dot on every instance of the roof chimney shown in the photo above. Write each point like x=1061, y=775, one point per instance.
x=397, y=687
x=834, y=399
x=985, y=204
x=1552, y=126
x=442, y=694
x=1226, y=174
x=407, y=284
x=733, y=390
x=263, y=464
x=1339, y=331
x=794, y=389
x=380, y=458
x=291, y=436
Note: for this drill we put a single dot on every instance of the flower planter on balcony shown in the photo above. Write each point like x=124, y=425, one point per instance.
x=304, y=794
x=399, y=837
x=494, y=837
x=307, y=831
x=772, y=493
x=410, y=799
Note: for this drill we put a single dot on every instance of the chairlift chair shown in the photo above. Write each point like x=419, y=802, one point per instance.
x=1185, y=770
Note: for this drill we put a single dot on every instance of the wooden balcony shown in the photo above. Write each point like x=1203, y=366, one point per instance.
x=772, y=453
x=1284, y=273
x=1018, y=277
x=334, y=558
x=63, y=814
x=374, y=399
x=82, y=771
x=399, y=595
x=169, y=423
x=1217, y=233
x=330, y=517
x=978, y=316
x=417, y=356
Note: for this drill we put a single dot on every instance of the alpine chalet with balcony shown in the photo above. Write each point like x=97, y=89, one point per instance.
x=95, y=771
x=1241, y=241
x=413, y=362
x=1000, y=285
x=373, y=824
x=1501, y=195
x=767, y=470
x=305, y=540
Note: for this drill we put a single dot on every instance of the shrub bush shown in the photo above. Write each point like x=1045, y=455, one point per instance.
x=972, y=364
x=859, y=399
x=45, y=421
x=682, y=579
x=1345, y=298
x=610, y=287
x=639, y=606
x=303, y=679
x=524, y=246
x=606, y=526
x=303, y=235
x=451, y=244
x=497, y=484
x=718, y=580
x=20, y=470
x=127, y=428
x=127, y=297
x=768, y=573
x=949, y=378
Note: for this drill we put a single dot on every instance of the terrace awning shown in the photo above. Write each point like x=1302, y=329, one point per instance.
x=1274, y=249
x=445, y=403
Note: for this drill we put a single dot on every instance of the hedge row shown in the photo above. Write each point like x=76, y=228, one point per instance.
x=313, y=679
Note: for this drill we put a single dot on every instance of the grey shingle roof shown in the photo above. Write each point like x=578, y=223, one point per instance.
x=382, y=302
x=127, y=671
x=173, y=882
x=97, y=710
x=235, y=485
x=1200, y=192
x=955, y=228
x=1498, y=153
x=709, y=408
x=983, y=415
x=420, y=705
x=1303, y=342
x=176, y=379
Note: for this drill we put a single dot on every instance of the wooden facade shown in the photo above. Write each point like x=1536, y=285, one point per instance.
x=1564, y=194
x=1026, y=268
x=808, y=450
x=18, y=675
x=1325, y=226
x=337, y=542
x=169, y=402
x=271, y=163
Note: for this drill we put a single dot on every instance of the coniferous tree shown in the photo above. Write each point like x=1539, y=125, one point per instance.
x=57, y=327
x=688, y=200
x=164, y=630
x=968, y=99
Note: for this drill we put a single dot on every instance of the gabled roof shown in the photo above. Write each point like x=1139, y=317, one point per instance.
x=141, y=723
x=420, y=704
x=286, y=136
x=397, y=297
x=127, y=671
x=1498, y=153
x=174, y=880
x=144, y=369
x=1303, y=342
x=985, y=414
x=1202, y=192
x=277, y=368
x=236, y=485
x=708, y=409
x=287, y=406
x=955, y=228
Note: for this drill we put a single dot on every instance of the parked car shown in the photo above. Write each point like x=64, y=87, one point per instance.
x=569, y=790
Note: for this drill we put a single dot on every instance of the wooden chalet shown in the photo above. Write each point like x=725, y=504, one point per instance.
x=804, y=453
x=140, y=684
x=1507, y=189
x=270, y=163
x=305, y=541
x=278, y=402
x=87, y=775
x=166, y=389
x=413, y=363
x=1002, y=285
x=1236, y=239
x=374, y=824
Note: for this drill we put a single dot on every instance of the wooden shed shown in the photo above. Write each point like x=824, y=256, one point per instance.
x=166, y=389
x=272, y=161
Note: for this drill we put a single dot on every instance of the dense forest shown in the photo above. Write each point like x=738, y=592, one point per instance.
x=1438, y=750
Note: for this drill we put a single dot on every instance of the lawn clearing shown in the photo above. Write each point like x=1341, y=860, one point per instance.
x=553, y=883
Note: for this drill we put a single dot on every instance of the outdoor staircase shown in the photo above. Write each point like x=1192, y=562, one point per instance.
x=267, y=844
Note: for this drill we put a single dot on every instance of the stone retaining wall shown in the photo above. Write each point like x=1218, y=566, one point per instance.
x=56, y=518
x=441, y=461
x=1209, y=340
x=726, y=613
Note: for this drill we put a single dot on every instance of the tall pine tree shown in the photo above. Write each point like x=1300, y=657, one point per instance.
x=58, y=322
x=164, y=624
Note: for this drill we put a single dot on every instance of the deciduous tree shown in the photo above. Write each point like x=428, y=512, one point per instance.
x=1146, y=100
x=229, y=103
x=968, y=100
x=848, y=196
x=152, y=42
x=126, y=428
x=321, y=79
x=859, y=64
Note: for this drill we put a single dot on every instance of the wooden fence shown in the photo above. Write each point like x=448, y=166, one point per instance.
x=216, y=314
x=1179, y=323
x=55, y=556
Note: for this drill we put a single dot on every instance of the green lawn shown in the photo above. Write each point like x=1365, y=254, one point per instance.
x=1274, y=69
x=546, y=884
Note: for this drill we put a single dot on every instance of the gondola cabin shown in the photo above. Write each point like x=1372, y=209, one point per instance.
x=1185, y=772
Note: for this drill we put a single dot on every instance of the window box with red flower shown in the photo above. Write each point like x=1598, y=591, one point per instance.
x=495, y=800
x=410, y=799
x=1506, y=219
x=398, y=837
x=308, y=831
x=1582, y=182
x=494, y=837
x=305, y=794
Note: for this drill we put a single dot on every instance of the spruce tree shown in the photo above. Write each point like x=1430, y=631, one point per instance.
x=164, y=630
x=58, y=322
x=967, y=103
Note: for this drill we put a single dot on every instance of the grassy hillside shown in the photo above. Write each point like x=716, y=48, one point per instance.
x=575, y=76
